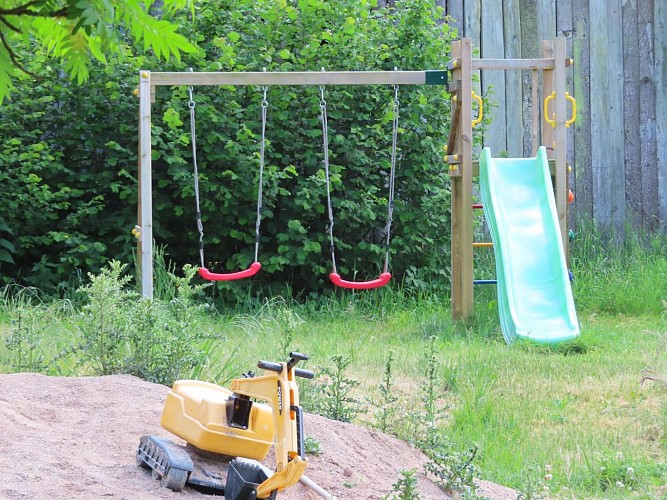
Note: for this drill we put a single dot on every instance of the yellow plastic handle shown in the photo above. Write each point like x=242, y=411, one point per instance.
x=574, y=109
x=480, y=114
x=550, y=121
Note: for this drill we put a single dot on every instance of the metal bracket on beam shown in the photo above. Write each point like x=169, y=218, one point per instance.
x=436, y=77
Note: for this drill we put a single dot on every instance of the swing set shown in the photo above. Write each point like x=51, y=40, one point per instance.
x=150, y=80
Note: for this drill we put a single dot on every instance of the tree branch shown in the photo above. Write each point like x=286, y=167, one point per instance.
x=25, y=10
x=10, y=26
x=14, y=59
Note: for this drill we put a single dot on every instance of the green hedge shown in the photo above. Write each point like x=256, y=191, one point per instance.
x=68, y=154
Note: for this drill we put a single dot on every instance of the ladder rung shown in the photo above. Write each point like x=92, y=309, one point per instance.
x=485, y=282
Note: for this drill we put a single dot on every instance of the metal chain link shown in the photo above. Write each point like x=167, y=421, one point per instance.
x=325, y=144
x=265, y=105
x=193, y=140
x=392, y=178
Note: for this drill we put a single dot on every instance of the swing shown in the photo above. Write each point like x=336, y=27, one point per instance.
x=385, y=276
x=255, y=266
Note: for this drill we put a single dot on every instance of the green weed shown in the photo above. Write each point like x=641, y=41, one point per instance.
x=332, y=396
x=405, y=488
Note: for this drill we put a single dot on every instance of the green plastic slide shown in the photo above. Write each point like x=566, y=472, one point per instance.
x=534, y=293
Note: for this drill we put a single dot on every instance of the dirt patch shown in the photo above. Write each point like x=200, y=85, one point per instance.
x=76, y=438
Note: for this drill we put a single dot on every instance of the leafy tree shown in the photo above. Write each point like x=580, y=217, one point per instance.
x=76, y=32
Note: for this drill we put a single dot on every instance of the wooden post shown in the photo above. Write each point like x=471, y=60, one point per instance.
x=145, y=219
x=547, y=88
x=461, y=212
x=560, y=137
x=535, y=116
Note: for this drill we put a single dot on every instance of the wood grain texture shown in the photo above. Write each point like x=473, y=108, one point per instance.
x=616, y=153
x=513, y=89
x=291, y=78
x=618, y=145
x=546, y=19
x=581, y=166
x=565, y=28
x=454, y=8
x=631, y=106
x=600, y=116
x=660, y=44
x=493, y=82
x=647, y=108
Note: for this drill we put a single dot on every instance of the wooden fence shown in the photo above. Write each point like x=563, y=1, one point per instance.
x=618, y=145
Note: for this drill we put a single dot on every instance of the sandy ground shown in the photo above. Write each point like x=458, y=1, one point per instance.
x=75, y=438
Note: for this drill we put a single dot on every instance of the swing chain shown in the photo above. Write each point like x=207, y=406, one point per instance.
x=392, y=178
x=258, y=222
x=325, y=144
x=193, y=140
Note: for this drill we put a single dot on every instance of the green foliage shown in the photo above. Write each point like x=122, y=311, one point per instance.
x=385, y=406
x=73, y=156
x=312, y=446
x=105, y=323
x=452, y=470
x=406, y=488
x=306, y=36
x=428, y=417
x=620, y=474
x=68, y=195
x=159, y=341
x=22, y=344
x=333, y=395
x=6, y=246
x=78, y=32
x=112, y=330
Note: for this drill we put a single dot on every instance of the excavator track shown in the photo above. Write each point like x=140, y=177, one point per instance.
x=168, y=462
x=177, y=466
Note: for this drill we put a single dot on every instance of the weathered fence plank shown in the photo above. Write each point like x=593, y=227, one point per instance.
x=616, y=153
x=514, y=124
x=494, y=81
x=599, y=108
x=564, y=28
x=546, y=19
x=581, y=167
x=472, y=21
x=633, y=186
x=472, y=25
x=660, y=37
x=530, y=48
x=607, y=113
x=648, y=188
x=454, y=8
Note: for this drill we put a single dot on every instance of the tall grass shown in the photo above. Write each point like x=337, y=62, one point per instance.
x=626, y=277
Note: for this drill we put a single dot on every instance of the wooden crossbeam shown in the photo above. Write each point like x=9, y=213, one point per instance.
x=432, y=77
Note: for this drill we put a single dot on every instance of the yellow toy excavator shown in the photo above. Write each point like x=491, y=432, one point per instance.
x=227, y=433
